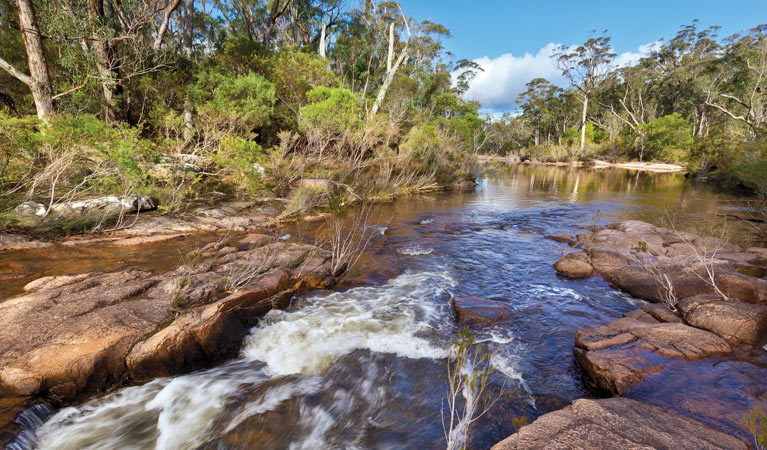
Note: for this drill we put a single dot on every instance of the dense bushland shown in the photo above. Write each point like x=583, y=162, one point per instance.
x=177, y=99
x=697, y=99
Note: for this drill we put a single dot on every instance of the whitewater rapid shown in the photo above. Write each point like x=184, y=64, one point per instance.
x=287, y=357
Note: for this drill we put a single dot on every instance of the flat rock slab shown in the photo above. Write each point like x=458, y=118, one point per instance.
x=145, y=240
x=620, y=424
x=69, y=336
x=475, y=310
x=620, y=354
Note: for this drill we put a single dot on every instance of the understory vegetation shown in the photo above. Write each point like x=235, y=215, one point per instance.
x=697, y=99
x=180, y=99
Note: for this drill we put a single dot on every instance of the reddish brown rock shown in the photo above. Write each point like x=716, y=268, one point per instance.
x=607, y=260
x=631, y=255
x=661, y=313
x=617, y=424
x=475, y=310
x=145, y=240
x=618, y=355
x=72, y=335
x=574, y=265
x=736, y=322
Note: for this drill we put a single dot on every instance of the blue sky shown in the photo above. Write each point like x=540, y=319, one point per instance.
x=499, y=34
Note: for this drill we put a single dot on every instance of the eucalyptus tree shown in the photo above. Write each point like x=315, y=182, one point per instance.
x=737, y=85
x=684, y=62
x=38, y=80
x=586, y=67
x=540, y=104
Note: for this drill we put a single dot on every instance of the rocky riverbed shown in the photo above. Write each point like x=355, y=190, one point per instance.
x=708, y=299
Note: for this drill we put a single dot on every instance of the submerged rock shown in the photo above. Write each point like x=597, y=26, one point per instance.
x=617, y=423
x=74, y=335
x=475, y=310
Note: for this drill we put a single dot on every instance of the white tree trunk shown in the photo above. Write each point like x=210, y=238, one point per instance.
x=583, y=120
x=392, y=70
x=390, y=57
x=322, y=40
x=188, y=43
x=164, y=24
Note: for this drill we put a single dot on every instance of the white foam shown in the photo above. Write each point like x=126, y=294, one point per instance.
x=387, y=319
x=378, y=229
x=414, y=250
x=171, y=413
x=274, y=397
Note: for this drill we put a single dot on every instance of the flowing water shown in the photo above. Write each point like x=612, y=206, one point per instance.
x=364, y=366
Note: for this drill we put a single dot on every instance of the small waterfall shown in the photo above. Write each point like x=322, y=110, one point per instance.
x=30, y=420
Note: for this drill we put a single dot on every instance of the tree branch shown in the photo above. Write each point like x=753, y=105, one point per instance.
x=164, y=25
x=19, y=75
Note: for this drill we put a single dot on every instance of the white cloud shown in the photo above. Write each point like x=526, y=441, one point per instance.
x=504, y=77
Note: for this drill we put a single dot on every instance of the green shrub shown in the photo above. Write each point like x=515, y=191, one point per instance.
x=748, y=168
x=333, y=110
x=294, y=73
x=233, y=103
x=238, y=159
x=668, y=138
x=594, y=135
x=19, y=143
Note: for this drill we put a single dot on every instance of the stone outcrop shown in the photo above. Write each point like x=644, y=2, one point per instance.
x=74, y=335
x=617, y=423
x=9, y=241
x=625, y=254
x=632, y=255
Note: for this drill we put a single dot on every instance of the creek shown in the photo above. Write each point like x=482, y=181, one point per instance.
x=364, y=365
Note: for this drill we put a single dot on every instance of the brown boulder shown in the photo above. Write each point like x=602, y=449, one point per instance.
x=606, y=260
x=617, y=423
x=661, y=313
x=475, y=310
x=574, y=265
x=736, y=322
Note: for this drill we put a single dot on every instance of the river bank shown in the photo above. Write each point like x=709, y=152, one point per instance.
x=594, y=164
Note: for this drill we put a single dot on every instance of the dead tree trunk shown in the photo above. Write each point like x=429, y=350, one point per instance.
x=391, y=69
x=188, y=43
